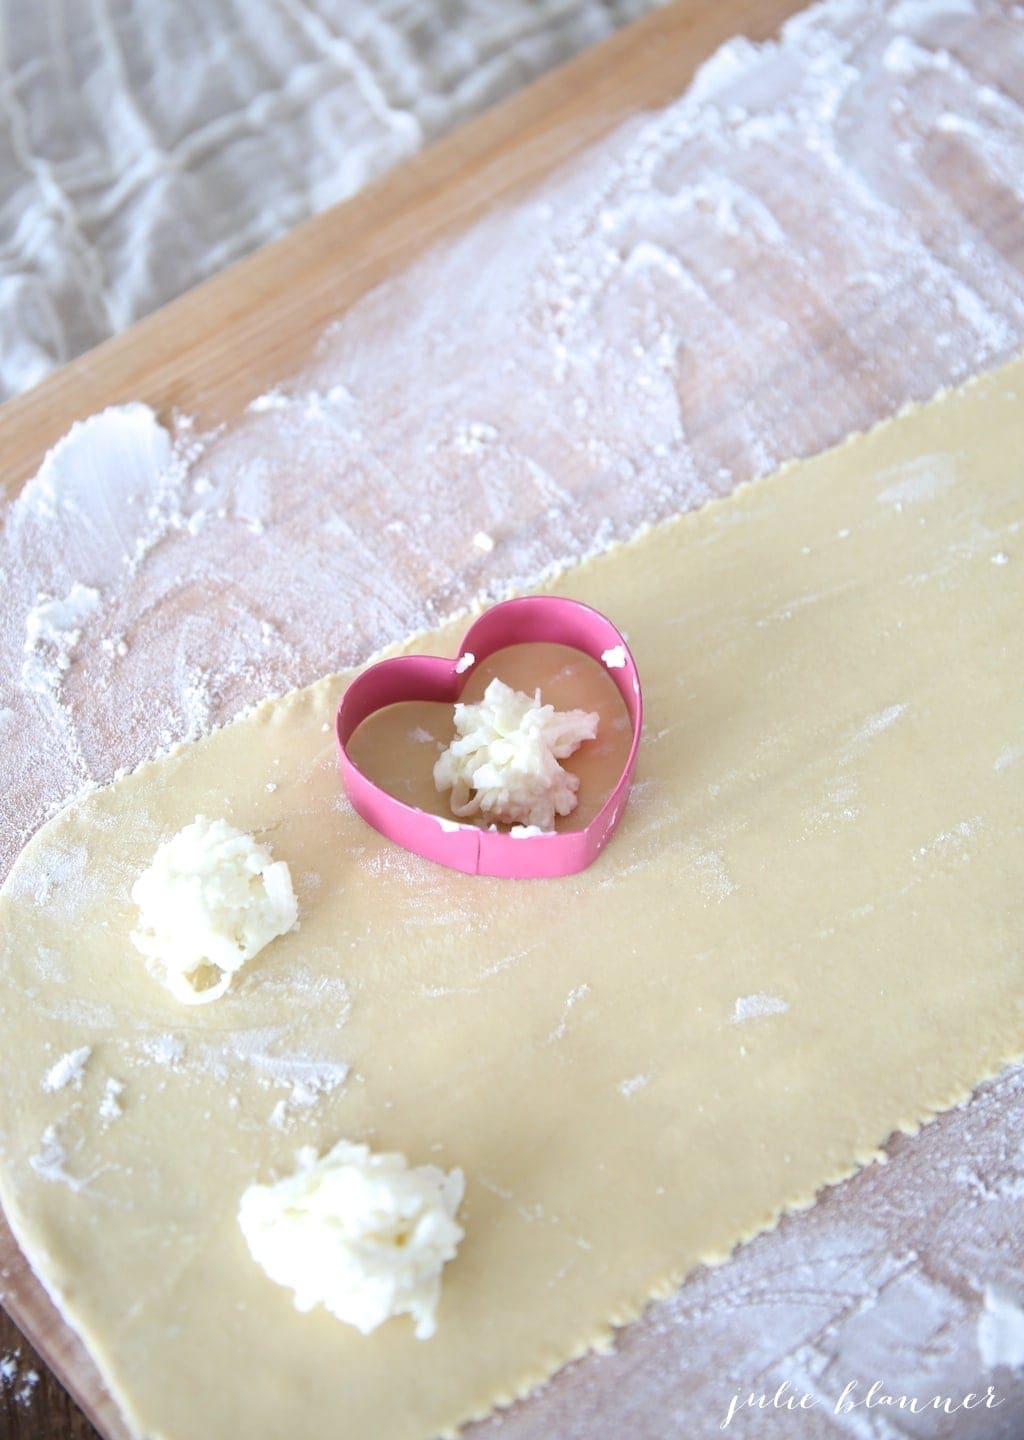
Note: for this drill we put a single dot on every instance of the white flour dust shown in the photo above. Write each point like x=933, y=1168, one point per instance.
x=17, y=1379
x=754, y=1007
x=68, y=1070
x=53, y=629
x=55, y=1157
x=111, y=1106
x=1001, y=1328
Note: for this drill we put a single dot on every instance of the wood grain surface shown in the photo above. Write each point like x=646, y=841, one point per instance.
x=36, y=1406
x=210, y=351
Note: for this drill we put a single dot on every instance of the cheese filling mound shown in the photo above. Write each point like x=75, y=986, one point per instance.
x=504, y=763
x=212, y=899
x=361, y=1234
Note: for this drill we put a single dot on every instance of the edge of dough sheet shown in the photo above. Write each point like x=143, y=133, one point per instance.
x=322, y=695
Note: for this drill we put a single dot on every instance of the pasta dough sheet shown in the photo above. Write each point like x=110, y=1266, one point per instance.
x=806, y=934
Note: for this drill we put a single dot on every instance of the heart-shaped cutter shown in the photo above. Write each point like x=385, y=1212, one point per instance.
x=528, y=619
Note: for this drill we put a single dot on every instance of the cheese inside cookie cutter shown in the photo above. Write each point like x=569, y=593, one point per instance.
x=529, y=619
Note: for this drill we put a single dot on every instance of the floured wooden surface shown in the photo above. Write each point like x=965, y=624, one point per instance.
x=179, y=138
x=823, y=232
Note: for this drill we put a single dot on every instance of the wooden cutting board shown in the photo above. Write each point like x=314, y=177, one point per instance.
x=210, y=351
x=235, y=336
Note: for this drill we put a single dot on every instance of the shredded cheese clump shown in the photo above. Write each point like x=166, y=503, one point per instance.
x=361, y=1234
x=504, y=763
x=212, y=899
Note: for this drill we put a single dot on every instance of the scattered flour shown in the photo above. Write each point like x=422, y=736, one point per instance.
x=51, y=1161
x=16, y=1379
x=1001, y=1328
x=53, y=629
x=68, y=1070
x=308, y=1079
x=111, y=1105
x=279, y=1115
x=753, y=1007
x=26, y=1388
x=921, y=12
x=633, y=1084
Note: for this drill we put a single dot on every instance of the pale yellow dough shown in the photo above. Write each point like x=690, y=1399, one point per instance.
x=827, y=812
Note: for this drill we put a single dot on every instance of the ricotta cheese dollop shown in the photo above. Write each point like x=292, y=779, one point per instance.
x=504, y=762
x=362, y=1234
x=212, y=898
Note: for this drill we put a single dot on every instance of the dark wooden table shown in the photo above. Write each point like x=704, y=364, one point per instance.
x=39, y=1410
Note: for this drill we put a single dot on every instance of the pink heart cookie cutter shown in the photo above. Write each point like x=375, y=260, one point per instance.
x=529, y=619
